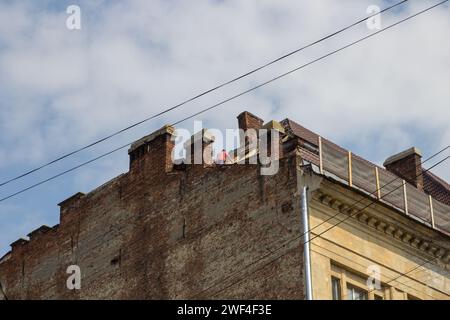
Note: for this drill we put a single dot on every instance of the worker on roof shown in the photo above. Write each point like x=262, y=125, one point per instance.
x=223, y=157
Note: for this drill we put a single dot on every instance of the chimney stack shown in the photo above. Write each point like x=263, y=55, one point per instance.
x=246, y=121
x=153, y=153
x=407, y=165
x=274, y=126
x=199, y=148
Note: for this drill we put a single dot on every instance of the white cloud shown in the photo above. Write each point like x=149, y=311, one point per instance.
x=60, y=88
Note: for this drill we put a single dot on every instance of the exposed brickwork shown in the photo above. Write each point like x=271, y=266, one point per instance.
x=161, y=231
x=409, y=168
x=247, y=120
x=164, y=231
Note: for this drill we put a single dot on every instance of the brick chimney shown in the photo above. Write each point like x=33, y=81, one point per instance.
x=274, y=126
x=199, y=148
x=247, y=120
x=407, y=165
x=153, y=153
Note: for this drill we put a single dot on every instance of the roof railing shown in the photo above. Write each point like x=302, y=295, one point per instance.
x=383, y=185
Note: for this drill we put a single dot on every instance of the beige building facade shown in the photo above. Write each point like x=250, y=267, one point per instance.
x=375, y=253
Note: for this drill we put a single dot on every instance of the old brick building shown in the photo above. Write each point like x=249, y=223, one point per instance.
x=197, y=231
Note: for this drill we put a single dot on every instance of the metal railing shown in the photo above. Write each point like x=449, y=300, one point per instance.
x=383, y=185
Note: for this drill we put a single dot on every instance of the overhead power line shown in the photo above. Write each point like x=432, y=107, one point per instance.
x=360, y=210
x=413, y=170
x=133, y=244
x=372, y=201
x=233, y=97
x=408, y=272
x=197, y=96
x=365, y=266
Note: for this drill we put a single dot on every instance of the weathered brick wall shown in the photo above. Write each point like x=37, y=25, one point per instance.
x=159, y=233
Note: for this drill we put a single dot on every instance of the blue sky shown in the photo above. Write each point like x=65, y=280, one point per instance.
x=61, y=89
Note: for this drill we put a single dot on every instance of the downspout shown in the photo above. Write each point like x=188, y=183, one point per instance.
x=306, y=244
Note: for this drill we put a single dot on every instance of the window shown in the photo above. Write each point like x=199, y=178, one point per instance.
x=347, y=285
x=355, y=293
x=336, y=288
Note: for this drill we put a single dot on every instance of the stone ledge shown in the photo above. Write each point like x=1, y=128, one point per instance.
x=386, y=227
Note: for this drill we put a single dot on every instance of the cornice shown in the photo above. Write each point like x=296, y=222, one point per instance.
x=385, y=225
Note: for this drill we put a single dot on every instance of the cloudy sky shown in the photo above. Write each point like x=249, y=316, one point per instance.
x=61, y=89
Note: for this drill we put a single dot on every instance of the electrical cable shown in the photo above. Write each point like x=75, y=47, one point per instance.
x=196, y=96
x=233, y=97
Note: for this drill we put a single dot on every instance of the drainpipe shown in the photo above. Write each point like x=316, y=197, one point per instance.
x=306, y=247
